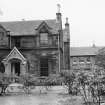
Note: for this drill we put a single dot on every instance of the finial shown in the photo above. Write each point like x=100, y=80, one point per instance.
x=23, y=19
x=93, y=44
x=67, y=20
x=1, y=12
x=59, y=6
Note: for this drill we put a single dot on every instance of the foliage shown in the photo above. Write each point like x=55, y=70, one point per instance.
x=69, y=79
x=83, y=85
x=100, y=58
x=4, y=82
x=98, y=82
x=97, y=86
x=47, y=81
x=26, y=80
x=91, y=86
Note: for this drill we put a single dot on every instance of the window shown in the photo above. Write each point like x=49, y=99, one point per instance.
x=81, y=60
x=88, y=60
x=17, y=42
x=1, y=35
x=74, y=62
x=2, y=68
x=87, y=69
x=44, y=38
x=55, y=40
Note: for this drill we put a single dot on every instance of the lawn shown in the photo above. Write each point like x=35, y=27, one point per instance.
x=54, y=96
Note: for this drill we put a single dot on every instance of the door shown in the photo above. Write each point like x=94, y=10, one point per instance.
x=15, y=68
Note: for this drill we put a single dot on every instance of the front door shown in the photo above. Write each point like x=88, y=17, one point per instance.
x=15, y=68
x=43, y=67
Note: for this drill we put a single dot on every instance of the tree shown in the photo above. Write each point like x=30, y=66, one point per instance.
x=69, y=80
x=99, y=75
x=91, y=86
x=83, y=85
x=100, y=58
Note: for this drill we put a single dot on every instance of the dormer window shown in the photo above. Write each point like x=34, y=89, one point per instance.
x=43, y=38
x=43, y=30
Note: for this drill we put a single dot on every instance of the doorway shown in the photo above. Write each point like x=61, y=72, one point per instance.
x=43, y=67
x=15, y=68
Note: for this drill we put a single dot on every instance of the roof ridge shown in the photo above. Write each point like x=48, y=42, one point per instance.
x=27, y=20
x=84, y=51
x=88, y=47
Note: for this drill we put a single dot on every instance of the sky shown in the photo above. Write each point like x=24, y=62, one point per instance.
x=86, y=17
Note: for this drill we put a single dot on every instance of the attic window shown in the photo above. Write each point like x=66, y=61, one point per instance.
x=44, y=38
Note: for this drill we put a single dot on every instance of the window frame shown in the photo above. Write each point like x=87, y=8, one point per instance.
x=81, y=60
x=17, y=42
x=1, y=35
x=43, y=40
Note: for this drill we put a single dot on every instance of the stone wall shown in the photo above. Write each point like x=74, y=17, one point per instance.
x=32, y=61
x=28, y=42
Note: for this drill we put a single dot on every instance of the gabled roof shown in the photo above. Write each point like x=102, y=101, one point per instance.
x=14, y=54
x=28, y=27
x=2, y=27
x=43, y=24
x=84, y=51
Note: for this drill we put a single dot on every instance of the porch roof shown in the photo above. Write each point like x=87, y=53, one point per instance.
x=14, y=54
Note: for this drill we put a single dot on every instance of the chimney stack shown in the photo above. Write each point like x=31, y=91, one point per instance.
x=67, y=23
x=67, y=30
x=58, y=14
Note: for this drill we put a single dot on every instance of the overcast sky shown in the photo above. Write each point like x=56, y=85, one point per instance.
x=86, y=17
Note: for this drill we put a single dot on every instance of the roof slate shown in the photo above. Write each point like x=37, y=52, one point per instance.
x=84, y=51
x=28, y=27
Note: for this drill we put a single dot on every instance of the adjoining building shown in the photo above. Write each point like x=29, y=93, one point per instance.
x=83, y=58
x=39, y=47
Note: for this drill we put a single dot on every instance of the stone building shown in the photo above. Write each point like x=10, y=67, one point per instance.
x=83, y=58
x=40, y=47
